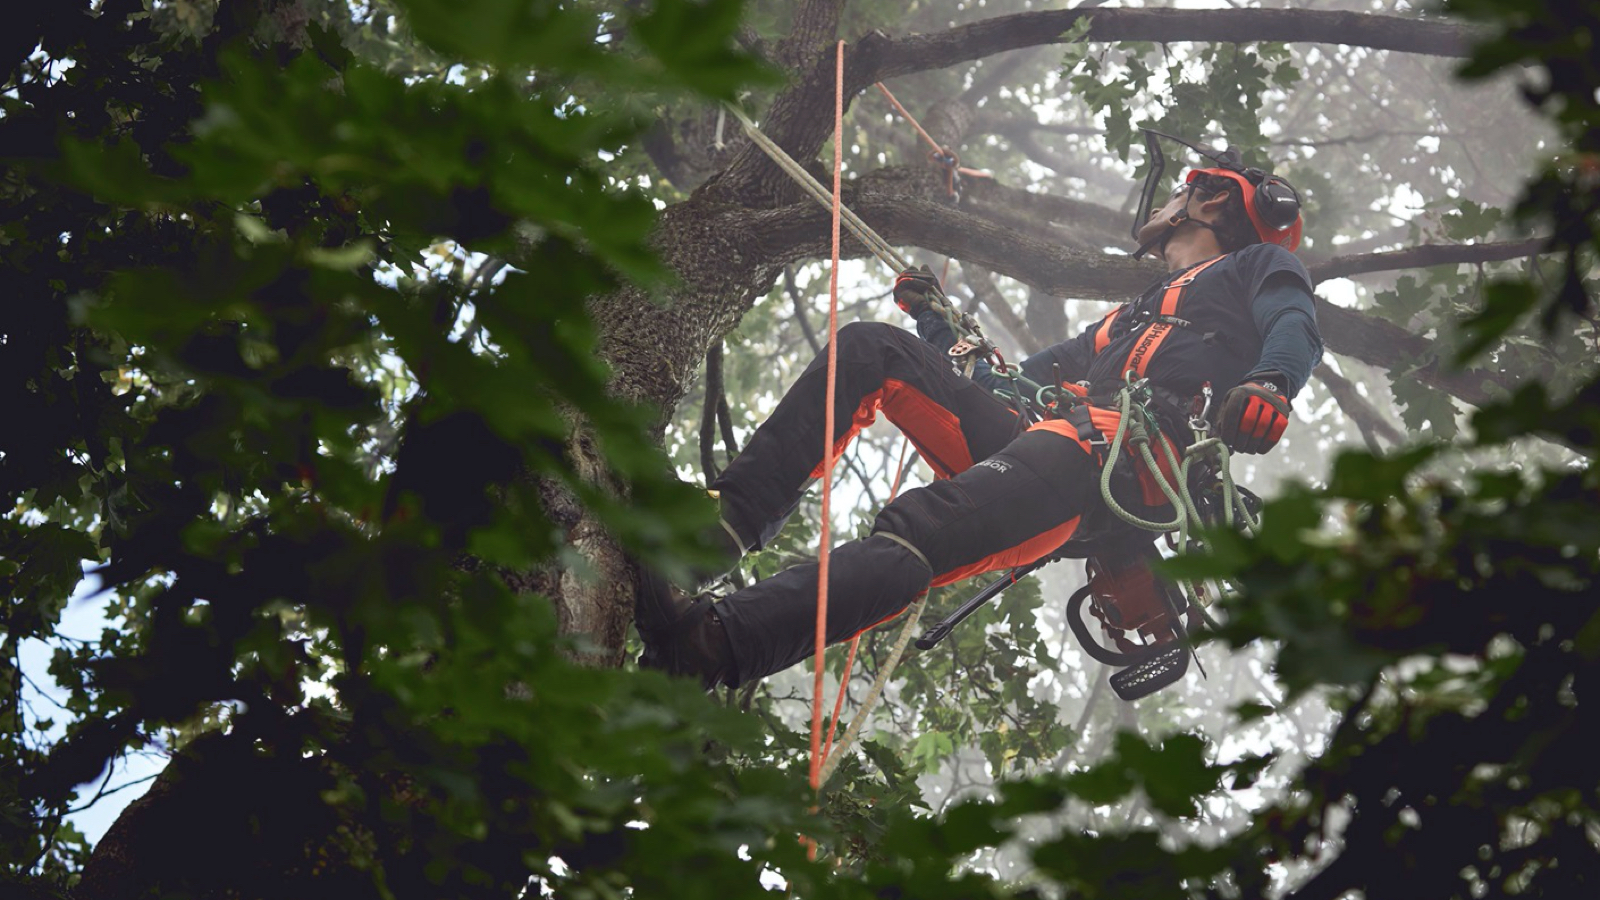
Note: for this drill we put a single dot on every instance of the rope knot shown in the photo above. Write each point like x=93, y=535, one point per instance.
x=946, y=159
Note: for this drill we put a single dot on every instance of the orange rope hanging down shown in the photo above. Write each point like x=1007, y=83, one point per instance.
x=828, y=457
x=855, y=642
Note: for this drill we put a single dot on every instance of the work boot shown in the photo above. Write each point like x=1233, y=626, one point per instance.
x=682, y=635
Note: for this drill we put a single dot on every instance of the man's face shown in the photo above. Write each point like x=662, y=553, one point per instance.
x=1153, y=228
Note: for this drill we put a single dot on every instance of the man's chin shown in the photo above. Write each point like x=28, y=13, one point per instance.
x=1152, y=237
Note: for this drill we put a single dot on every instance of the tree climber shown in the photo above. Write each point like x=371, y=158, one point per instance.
x=1235, y=309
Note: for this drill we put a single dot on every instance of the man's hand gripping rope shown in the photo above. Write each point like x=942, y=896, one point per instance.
x=970, y=337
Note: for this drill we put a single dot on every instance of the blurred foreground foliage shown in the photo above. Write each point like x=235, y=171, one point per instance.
x=298, y=449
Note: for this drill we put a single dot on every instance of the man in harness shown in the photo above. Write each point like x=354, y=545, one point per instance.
x=1234, y=311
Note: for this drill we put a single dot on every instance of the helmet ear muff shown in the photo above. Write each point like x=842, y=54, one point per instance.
x=1272, y=204
x=1277, y=203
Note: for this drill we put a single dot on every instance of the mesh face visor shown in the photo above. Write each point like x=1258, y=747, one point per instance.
x=1152, y=182
x=1228, y=159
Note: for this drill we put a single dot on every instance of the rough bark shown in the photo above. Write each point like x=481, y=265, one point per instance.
x=597, y=604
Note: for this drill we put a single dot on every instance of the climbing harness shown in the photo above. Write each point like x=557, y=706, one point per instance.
x=1130, y=599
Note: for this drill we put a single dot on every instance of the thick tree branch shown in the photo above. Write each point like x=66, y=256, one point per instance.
x=814, y=28
x=799, y=232
x=1090, y=224
x=1424, y=256
x=1386, y=345
x=800, y=116
x=948, y=121
x=1360, y=410
x=988, y=293
x=1405, y=34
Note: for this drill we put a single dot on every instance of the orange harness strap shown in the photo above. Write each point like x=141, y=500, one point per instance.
x=1102, y=337
x=1149, y=342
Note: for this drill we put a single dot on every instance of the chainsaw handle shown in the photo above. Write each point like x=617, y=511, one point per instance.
x=1086, y=640
x=942, y=628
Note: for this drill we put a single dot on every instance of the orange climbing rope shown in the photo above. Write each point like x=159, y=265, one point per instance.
x=820, y=750
x=828, y=455
x=855, y=642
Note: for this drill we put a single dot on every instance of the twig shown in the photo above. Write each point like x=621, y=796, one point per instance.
x=708, y=413
x=102, y=794
x=800, y=309
x=1367, y=418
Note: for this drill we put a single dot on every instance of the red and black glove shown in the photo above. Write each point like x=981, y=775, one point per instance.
x=911, y=290
x=1254, y=414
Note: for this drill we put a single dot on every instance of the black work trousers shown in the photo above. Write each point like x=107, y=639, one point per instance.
x=1006, y=495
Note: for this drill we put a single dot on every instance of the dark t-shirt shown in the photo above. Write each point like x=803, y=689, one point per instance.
x=1247, y=313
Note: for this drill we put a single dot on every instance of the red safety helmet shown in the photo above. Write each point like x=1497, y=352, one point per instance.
x=1271, y=202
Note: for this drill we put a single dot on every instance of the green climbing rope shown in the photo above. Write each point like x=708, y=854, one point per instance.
x=1135, y=428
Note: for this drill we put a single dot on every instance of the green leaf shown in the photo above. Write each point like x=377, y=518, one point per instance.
x=1472, y=220
x=1504, y=304
x=510, y=33
x=1425, y=408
